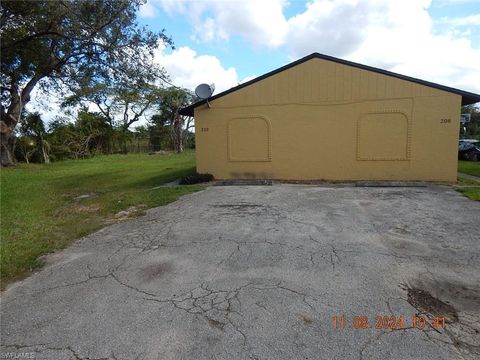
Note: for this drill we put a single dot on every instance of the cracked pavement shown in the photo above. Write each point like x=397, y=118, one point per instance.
x=258, y=272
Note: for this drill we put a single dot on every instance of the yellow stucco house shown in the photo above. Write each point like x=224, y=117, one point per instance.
x=323, y=118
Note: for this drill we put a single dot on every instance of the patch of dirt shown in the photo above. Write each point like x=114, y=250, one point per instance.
x=132, y=211
x=423, y=301
x=85, y=196
x=400, y=230
x=61, y=258
x=242, y=209
x=307, y=320
x=160, y=152
x=238, y=206
x=154, y=271
x=216, y=324
x=87, y=208
x=402, y=245
x=459, y=304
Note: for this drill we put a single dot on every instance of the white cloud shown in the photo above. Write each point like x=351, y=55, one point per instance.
x=185, y=67
x=330, y=27
x=391, y=34
x=147, y=10
x=395, y=44
x=248, y=78
x=189, y=69
x=260, y=22
x=47, y=104
x=461, y=21
x=443, y=3
x=345, y=25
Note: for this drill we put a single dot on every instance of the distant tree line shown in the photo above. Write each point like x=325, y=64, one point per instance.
x=471, y=130
x=92, y=133
x=90, y=54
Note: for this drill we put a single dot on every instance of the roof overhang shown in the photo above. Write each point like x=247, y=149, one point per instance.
x=467, y=97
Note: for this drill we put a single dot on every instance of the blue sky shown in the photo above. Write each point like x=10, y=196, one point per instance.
x=227, y=42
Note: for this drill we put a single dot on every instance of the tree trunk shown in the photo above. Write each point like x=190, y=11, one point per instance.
x=178, y=136
x=43, y=152
x=6, y=150
x=7, y=139
x=124, y=136
x=11, y=117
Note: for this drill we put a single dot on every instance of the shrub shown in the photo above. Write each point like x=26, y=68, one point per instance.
x=196, y=179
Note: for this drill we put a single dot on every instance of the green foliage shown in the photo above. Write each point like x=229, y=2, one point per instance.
x=190, y=140
x=33, y=125
x=196, y=179
x=73, y=40
x=32, y=145
x=42, y=207
x=470, y=187
x=472, y=129
x=122, y=104
x=99, y=130
x=89, y=135
x=66, y=141
x=172, y=100
x=159, y=132
x=25, y=146
x=469, y=167
x=472, y=192
x=73, y=46
x=141, y=131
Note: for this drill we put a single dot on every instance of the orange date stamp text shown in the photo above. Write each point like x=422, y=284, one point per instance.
x=387, y=322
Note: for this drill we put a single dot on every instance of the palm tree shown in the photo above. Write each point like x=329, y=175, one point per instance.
x=34, y=127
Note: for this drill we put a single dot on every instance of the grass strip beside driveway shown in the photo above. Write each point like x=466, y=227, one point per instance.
x=468, y=186
x=469, y=167
x=44, y=207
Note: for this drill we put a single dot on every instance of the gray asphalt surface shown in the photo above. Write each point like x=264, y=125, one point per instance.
x=259, y=272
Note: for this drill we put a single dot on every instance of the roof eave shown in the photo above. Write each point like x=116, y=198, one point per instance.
x=187, y=111
x=470, y=99
x=467, y=97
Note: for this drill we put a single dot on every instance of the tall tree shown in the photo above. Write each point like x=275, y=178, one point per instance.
x=97, y=131
x=65, y=44
x=172, y=100
x=34, y=127
x=472, y=128
x=123, y=103
x=159, y=133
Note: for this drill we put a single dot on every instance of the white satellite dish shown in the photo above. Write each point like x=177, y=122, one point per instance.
x=204, y=91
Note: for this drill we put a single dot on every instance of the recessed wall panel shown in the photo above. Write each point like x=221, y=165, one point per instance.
x=249, y=139
x=383, y=136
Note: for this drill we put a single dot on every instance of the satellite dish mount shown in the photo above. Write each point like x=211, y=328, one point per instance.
x=204, y=91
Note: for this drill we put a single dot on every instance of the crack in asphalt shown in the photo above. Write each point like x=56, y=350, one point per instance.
x=334, y=256
x=369, y=342
x=222, y=308
x=204, y=301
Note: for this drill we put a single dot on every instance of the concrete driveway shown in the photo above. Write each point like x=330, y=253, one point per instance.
x=260, y=272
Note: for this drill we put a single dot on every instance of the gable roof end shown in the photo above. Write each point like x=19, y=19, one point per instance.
x=467, y=97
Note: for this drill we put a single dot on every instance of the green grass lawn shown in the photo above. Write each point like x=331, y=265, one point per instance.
x=42, y=208
x=469, y=187
x=469, y=167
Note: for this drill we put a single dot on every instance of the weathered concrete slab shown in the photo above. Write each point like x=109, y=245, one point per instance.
x=255, y=272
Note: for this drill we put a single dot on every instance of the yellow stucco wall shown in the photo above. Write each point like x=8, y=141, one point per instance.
x=324, y=120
